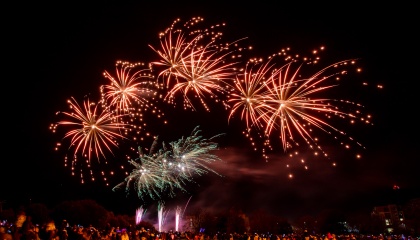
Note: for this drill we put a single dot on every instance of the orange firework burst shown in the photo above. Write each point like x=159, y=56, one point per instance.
x=171, y=53
x=202, y=75
x=198, y=64
x=132, y=92
x=250, y=93
x=278, y=99
x=93, y=130
x=128, y=88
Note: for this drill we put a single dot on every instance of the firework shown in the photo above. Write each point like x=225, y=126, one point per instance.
x=170, y=168
x=192, y=155
x=133, y=91
x=127, y=89
x=280, y=100
x=177, y=217
x=124, y=117
x=198, y=64
x=275, y=98
x=290, y=105
x=175, y=43
x=150, y=177
x=172, y=53
x=139, y=214
x=162, y=214
x=93, y=130
x=202, y=75
x=250, y=93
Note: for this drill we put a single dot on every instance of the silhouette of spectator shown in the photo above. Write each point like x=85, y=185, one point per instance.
x=4, y=235
x=27, y=229
x=124, y=234
x=32, y=234
x=63, y=232
x=17, y=231
x=50, y=231
x=135, y=235
x=72, y=232
x=117, y=233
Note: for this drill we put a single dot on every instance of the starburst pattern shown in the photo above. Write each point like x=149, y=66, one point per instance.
x=127, y=89
x=93, y=130
x=281, y=102
x=171, y=167
x=200, y=65
x=250, y=93
x=274, y=98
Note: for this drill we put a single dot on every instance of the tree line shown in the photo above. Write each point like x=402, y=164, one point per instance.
x=89, y=212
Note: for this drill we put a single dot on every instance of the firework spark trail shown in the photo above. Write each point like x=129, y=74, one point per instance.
x=133, y=92
x=290, y=101
x=275, y=99
x=150, y=177
x=162, y=214
x=186, y=205
x=171, y=55
x=270, y=97
x=179, y=214
x=139, y=214
x=170, y=168
x=128, y=101
x=193, y=154
x=94, y=131
x=177, y=218
x=199, y=65
x=250, y=93
x=205, y=74
x=175, y=43
x=127, y=87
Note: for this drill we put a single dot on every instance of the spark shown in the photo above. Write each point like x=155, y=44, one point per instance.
x=171, y=167
x=250, y=94
x=127, y=88
x=290, y=105
x=139, y=214
x=275, y=100
x=172, y=53
x=93, y=130
x=162, y=215
x=279, y=100
x=204, y=76
x=177, y=217
x=197, y=63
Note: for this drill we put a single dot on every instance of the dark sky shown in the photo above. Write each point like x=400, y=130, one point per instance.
x=53, y=52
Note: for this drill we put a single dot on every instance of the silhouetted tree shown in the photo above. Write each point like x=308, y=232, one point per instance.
x=263, y=222
x=39, y=212
x=122, y=221
x=146, y=225
x=7, y=214
x=412, y=216
x=377, y=225
x=258, y=220
x=200, y=219
x=283, y=226
x=84, y=212
x=209, y=223
x=361, y=222
x=236, y=221
x=221, y=222
x=332, y=221
x=307, y=222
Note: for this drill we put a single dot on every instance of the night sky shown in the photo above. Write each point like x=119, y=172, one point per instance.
x=53, y=52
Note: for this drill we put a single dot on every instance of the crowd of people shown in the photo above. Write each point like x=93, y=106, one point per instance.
x=65, y=231
x=24, y=229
